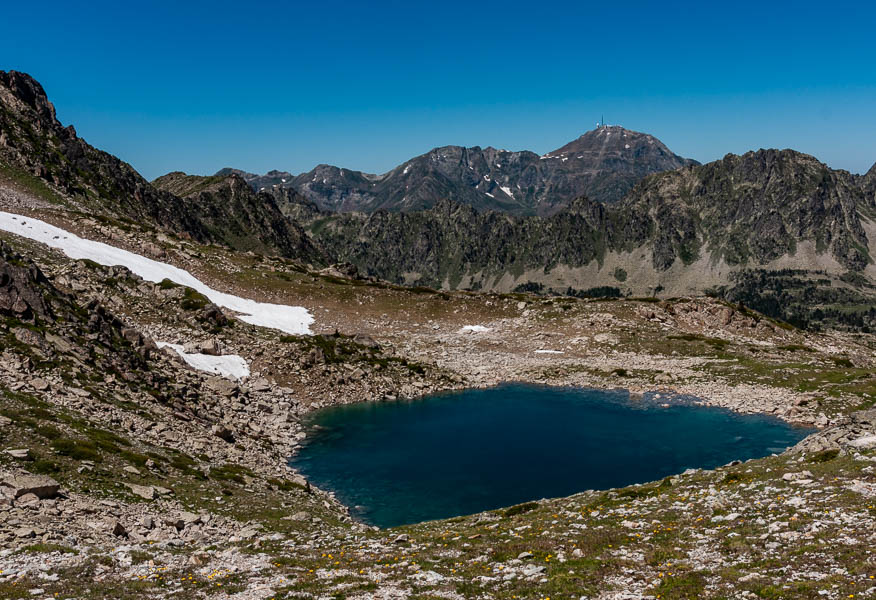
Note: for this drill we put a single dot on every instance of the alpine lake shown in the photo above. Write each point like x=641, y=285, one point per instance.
x=458, y=453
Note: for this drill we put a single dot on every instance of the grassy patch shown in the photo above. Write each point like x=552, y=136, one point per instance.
x=519, y=509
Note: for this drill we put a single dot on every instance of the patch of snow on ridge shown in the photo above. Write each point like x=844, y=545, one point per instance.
x=549, y=352
x=473, y=329
x=507, y=190
x=294, y=320
x=231, y=366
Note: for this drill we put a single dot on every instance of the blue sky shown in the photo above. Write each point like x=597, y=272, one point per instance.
x=196, y=86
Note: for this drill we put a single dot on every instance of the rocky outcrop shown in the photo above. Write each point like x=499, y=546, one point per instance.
x=752, y=209
x=16, y=486
x=20, y=287
x=54, y=161
x=858, y=430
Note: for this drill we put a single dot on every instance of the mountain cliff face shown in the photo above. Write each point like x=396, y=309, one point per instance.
x=869, y=185
x=603, y=164
x=740, y=212
x=41, y=155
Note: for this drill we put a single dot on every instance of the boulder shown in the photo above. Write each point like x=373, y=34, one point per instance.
x=211, y=347
x=363, y=339
x=24, y=532
x=147, y=492
x=222, y=432
x=119, y=530
x=27, y=500
x=867, y=442
x=40, y=485
x=39, y=384
x=19, y=453
x=183, y=520
x=223, y=387
x=802, y=475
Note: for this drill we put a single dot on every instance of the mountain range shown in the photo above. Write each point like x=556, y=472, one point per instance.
x=603, y=164
x=775, y=229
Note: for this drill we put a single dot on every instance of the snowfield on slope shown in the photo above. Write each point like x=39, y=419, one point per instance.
x=474, y=329
x=232, y=366
x=295, y=320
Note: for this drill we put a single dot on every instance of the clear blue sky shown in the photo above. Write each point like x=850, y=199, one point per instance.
x=196, y=86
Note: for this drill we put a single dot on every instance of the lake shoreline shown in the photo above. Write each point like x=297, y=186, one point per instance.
x=388, y=459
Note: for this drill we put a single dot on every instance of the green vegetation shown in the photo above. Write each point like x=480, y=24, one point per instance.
x=193, y=300
x=519, y=509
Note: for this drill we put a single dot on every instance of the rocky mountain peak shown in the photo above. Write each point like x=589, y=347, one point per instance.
x=603, y=164
x=606, y=145
x=22, y=89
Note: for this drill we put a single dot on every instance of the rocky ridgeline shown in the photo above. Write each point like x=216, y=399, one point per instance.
x=734, y=211
x=52, y=162
x=603, y=164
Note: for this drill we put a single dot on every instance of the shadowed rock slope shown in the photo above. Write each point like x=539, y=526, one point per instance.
x=244, y=219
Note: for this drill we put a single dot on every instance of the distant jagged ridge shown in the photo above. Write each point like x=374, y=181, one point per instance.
x=603, y=164
x=742, y=211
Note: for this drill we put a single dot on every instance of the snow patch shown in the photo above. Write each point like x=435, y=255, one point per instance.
x=473, y=329
x=231, y=366
x=294, y=320
x=549, y=352
x=507, y=190
x=489, y=194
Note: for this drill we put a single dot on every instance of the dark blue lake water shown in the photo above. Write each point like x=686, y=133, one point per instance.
x=465, y=452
